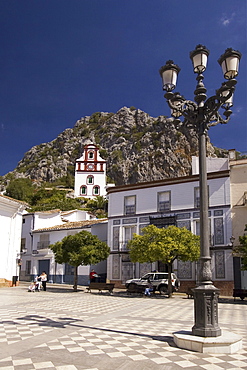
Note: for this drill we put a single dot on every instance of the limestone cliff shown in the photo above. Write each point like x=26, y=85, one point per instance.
x=136, y=146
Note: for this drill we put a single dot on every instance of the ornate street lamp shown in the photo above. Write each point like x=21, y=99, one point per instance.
x=201, y=114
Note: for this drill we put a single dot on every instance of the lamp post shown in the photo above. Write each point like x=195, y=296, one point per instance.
x=201, y=114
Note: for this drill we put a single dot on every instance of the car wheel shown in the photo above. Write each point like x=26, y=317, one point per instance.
x=163, y=289
x=132, y=286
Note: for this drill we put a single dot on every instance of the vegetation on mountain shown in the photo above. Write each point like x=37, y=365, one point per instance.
x=20, y=189
x=82, y=248
x=165, y=245
x=45, y=197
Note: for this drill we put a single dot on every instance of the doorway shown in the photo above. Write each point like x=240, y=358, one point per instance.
x=44, y=265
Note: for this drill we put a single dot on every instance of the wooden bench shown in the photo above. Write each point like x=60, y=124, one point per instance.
x=241, y=293
x=101, y=286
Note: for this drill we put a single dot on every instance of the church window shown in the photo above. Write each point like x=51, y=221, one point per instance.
x=90, y=180
x=96, y=190
x=83, y=190
x=91, y=155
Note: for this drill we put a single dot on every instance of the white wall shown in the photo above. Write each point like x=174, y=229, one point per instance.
x=10, y=230
x=76, y=215
x=182, y=196
x=213, y=164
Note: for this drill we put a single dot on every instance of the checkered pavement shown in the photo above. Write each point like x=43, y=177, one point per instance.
x=98, y=331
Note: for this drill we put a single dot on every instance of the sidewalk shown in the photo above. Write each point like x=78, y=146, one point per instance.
x=62, y=330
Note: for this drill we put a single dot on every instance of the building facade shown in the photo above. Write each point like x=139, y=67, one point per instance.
x=41, y=229
x=238, y=176
x=11, y=212
x=172, y=201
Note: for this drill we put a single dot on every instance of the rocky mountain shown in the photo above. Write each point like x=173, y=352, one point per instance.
x=136, y=146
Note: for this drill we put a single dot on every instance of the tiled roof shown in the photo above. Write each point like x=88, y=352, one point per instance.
x=49, y=211
x=72, y=225
x=14, y=200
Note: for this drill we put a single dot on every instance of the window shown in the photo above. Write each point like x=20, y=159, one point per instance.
x=197, y=197
x=129, y=232
x=44, y=241
x=218, y=231
x=23, y=244
x=83, y=190
x=69, y=270
x=142, y=227
x=184, y=223
x=28, y=267
x=116, y=232
x=130, y=205
x=220, y=264
x=197, y=229
x=90, y=179
x=96, y=190
x=90, y=155
x=164, y=201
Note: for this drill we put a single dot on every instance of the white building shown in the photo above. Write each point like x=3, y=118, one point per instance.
x=41, y=229
x=172, y=201
x=238, y=175
x=90, y=173
x=11, y=212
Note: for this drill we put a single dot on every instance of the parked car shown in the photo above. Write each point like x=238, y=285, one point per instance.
x=159, y=281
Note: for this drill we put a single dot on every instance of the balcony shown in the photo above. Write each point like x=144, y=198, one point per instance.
x=43, y=245
x=130, y=210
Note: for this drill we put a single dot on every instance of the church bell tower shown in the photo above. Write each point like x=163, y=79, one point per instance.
x=90, y=173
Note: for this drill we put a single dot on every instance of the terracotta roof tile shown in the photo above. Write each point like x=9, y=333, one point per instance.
x=15, y=200
x=72, y=225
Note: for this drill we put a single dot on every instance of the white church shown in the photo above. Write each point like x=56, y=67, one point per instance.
x=90, y=174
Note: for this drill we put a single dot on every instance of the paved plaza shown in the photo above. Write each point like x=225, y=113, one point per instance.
x=62, y=330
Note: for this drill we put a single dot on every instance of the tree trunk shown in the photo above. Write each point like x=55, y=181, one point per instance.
x=169, y=280
x=75, y=279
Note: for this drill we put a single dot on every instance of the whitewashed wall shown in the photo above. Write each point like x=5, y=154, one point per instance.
x=10, y=230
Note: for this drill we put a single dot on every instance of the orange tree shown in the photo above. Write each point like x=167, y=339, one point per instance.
x=241, y=250
x=82, y=248
x=165, y=245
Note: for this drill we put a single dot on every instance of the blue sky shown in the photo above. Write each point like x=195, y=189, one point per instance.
x=61, y=60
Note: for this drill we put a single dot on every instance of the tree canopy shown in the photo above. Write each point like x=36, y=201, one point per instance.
x=165, y=245
x=46, y=199
x=241, y=250
x=82, y=248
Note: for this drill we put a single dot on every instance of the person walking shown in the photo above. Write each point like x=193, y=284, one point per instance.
x=43, y=278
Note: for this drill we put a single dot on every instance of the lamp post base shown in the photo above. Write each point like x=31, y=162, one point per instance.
x=226, y=343
x=206, y=311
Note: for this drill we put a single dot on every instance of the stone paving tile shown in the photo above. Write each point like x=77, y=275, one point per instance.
x=99, y=332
